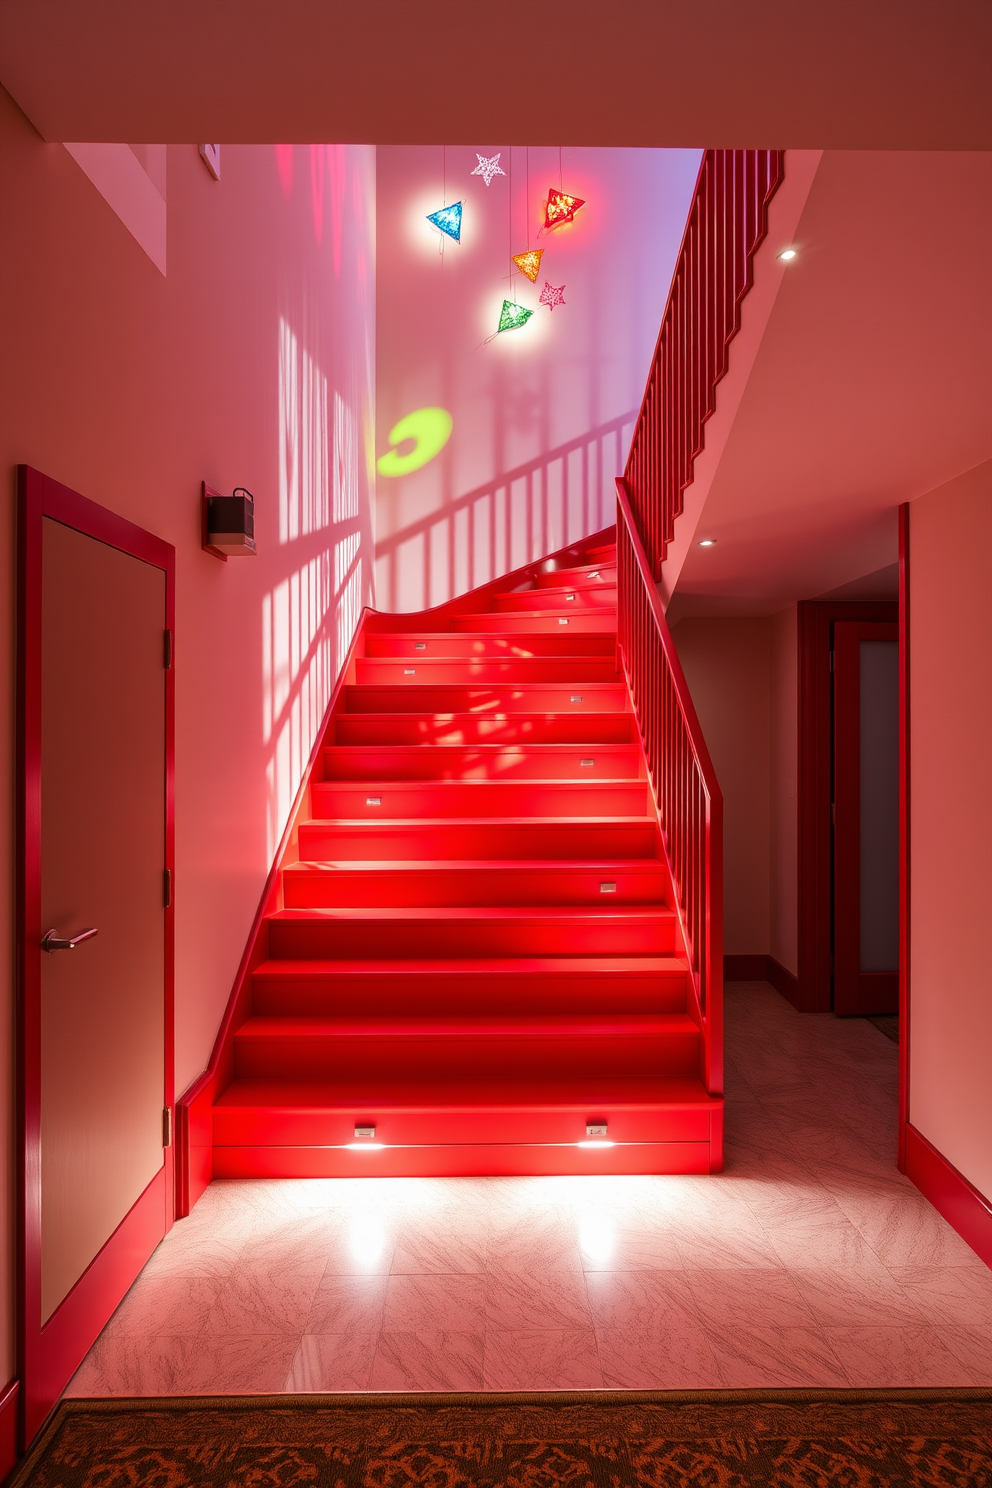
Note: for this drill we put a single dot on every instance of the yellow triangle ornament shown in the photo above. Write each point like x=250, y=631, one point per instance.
x=529, y=263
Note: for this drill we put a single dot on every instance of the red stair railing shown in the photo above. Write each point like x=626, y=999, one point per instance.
x=688, y=799
x=727, y=221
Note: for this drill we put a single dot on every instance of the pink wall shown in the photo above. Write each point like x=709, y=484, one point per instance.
x=542, y=415
x=784, y=825
x=727, y=667
x=251, y=362
x=950, y=1090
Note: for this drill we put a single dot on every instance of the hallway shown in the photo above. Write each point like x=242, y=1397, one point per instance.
x=810, y=1261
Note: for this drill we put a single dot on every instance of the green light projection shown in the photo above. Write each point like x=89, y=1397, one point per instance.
x=430, y=428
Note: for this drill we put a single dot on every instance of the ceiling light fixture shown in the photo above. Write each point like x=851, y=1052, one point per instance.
x=787, y=255
x=707, y=542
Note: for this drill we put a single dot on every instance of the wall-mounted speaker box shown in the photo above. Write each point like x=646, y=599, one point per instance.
x=228, y=523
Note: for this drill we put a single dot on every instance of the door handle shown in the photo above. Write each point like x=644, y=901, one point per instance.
x=53, y=942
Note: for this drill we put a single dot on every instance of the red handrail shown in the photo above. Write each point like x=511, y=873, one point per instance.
x=727, y=221
x=688, y=799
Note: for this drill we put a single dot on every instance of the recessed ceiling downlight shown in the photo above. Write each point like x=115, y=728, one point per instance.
x=787, y=255
x=707, y=542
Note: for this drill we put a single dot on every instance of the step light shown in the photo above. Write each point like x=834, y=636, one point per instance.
x=409, y=671
x=562, y=620
x=586, y=764
x=594, y=575
x=576, y=697
x=607, y=888
x=596, y=1135
x=373, y=800
x=365, y=1140
x=569, y=596
x=420, y=645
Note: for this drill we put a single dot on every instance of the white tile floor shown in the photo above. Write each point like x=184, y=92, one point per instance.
x=810, y=1261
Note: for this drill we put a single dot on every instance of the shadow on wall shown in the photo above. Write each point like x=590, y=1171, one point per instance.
x=310, y=616
x=519, y=516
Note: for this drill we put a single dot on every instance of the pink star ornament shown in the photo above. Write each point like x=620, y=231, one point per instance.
x=552, y=295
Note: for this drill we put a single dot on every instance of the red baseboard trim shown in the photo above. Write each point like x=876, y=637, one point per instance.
x=8, y=1429
x=965, y=1209
x=745, y=968
x=763, y=969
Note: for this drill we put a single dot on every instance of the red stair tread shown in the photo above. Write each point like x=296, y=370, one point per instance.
x=567, y=1026
x=510, y=966
x=562, y=913
x=454, y=1095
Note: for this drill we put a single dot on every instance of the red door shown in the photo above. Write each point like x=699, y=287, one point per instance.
x=866, y=817
x=94, y=923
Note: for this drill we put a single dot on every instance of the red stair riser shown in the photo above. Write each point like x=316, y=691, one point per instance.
x=593, y=598
x=477, y=798
x=580, y=726
x=310, y=938
x=315, y=886
x=467, y=671
x=438, y=989
x=563, y=641
x=489, y=1160
x=234, y=1126
x=589, y=620
x=537, y=1059
x=440, y=841
x=589, y=697
x=482, y=762
x=578, y=578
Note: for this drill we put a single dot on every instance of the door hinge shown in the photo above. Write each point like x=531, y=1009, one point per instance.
x=166, y=887
x=167, y=650
x=167, y=1127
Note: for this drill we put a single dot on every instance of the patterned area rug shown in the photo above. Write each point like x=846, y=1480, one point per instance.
x=711, y=1439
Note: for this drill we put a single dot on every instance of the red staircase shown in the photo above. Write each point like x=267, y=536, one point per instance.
x=476, y=952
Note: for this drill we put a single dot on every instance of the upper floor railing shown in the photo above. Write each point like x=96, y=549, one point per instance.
x=727, y=221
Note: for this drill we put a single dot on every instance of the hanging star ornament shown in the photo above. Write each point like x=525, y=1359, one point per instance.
x=561, y=208
x=449, y=220
x=552, y=295
x=488, y=168
x=512, y=316
x=529, y=263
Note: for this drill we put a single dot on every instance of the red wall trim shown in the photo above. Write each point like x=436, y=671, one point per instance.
x=905, y=833
x=763, y=969
x=950, y=1193
x=745, y=968
x=816, y=617
x=8, y=1428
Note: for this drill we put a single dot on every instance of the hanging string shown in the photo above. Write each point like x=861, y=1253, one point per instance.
x=444, y=197
x=527, y=189
x=509, y=225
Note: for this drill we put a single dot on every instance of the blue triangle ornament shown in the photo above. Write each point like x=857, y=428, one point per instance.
x=448, y=220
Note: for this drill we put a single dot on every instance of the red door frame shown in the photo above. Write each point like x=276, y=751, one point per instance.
x=49, y=1355
x=855, y=991
x=816, y=618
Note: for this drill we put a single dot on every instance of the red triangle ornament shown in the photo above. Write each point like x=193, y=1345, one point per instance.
x=560, y=208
